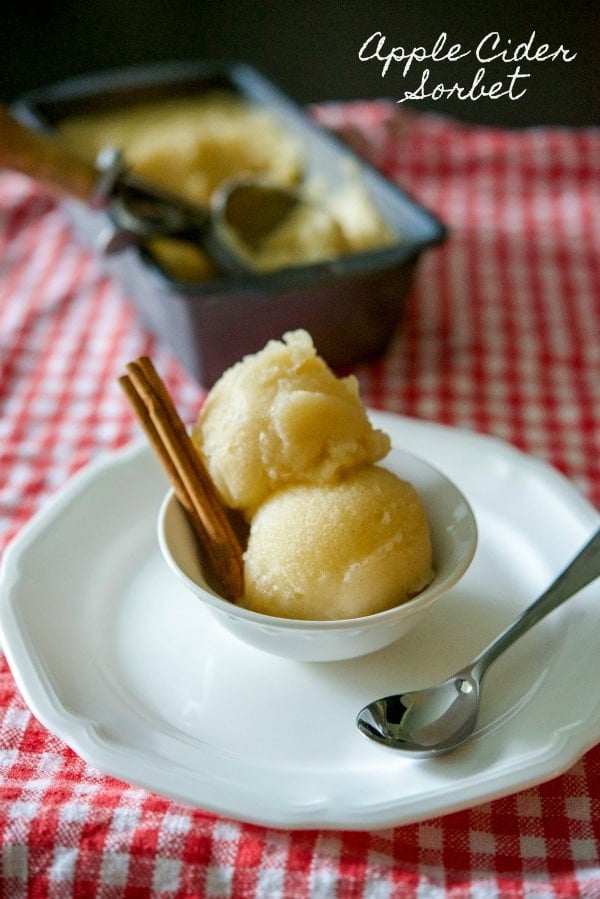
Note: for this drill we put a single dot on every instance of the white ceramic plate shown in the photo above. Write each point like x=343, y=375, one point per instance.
x=115, y=656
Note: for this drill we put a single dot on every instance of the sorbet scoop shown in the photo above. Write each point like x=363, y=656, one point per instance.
x=241, y=213
x=438, y=719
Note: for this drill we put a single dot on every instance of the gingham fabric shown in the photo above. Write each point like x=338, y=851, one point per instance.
x=501, y=335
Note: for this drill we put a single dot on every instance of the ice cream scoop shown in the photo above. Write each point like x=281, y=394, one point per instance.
x=347, y=548
x=240, y=217
x=281, y=416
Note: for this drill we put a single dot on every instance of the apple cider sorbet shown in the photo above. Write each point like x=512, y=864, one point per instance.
x=332, y=534
x=192, y=145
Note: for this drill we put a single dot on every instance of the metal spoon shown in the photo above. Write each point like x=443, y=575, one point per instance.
x=438, y=719
x=241, y=213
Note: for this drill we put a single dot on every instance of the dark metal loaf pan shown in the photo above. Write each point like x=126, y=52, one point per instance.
x=351, y=306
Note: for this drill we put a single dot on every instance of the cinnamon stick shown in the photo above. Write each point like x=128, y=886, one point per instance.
x=187, y=473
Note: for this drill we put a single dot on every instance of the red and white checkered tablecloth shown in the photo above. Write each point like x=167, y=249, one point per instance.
x=502, y=336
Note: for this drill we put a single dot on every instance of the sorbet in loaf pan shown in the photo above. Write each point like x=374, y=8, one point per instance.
x=192, y=124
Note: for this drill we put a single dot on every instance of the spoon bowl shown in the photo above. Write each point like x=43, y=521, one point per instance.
x=425, y=722
x=438, y=719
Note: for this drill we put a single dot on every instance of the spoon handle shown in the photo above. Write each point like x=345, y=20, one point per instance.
x=584, y=568
x=44, y=159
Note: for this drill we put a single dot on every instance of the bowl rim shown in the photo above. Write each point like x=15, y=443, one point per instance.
x=421, y=600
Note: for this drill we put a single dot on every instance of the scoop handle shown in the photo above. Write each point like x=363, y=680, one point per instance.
x=44, y=159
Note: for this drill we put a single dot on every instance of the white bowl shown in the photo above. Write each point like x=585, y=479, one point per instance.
x=454, y=538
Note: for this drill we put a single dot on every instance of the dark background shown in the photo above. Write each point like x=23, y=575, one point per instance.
x=310, y=49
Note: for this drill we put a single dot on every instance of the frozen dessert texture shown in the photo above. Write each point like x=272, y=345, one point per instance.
x=281, y=417
x=308, y=233
x=193, y=144
x=362, y=225
x=338, y=550
x=332, y=534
